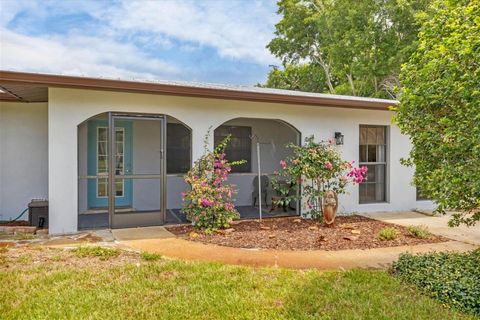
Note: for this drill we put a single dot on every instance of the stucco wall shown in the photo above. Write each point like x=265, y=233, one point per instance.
x=23, y=156
x=69, y=107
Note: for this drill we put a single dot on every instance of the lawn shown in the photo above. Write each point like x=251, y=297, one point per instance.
x=95, y=284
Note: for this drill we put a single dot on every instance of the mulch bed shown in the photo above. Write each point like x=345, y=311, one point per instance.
x=293, y=233
x=19, y=223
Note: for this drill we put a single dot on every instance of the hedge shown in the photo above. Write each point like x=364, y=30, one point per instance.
x=452, y=278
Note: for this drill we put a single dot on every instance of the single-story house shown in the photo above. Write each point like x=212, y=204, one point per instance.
x=55, y=132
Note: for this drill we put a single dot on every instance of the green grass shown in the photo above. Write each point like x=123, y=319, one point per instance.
x=23, y=236
x=420, y=232
x=388, y=233
x=101, y=252
x=148, y=256
x=165, y=289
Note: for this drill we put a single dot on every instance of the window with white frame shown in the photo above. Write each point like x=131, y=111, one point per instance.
x=373, y=155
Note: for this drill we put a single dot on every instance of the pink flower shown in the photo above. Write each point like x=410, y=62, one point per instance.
x=309, y=204
x=283, y=163
x=330, y=141
x=358, y=174
x=328, y=165
x=206, y=203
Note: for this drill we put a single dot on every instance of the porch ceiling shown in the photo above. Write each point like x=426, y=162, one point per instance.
x=33, y=87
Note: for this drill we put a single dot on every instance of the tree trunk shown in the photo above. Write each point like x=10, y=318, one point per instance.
x=352, y=85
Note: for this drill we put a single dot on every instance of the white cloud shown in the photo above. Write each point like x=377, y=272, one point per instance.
x=79, y=55
x=236, y=29
x=124, y=38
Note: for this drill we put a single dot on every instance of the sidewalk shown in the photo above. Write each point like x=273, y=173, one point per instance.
x=168, y=245
x=436, y=224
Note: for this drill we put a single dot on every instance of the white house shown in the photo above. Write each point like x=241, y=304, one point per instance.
x=55, y=132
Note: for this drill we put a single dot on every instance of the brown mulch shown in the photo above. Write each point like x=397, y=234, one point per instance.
x=19, y=223
x=294, y=233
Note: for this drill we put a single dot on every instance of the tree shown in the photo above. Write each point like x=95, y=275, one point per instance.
x=319, y=168
x=357, y=45
x=440, y=108
x=305, y=77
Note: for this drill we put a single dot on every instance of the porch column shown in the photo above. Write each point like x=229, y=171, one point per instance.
x=198, y=136
x=62, y=169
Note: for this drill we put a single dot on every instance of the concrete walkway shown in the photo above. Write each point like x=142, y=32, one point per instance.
x=159, y=240
x=437, y=224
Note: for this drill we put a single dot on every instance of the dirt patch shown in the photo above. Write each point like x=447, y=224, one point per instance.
x=51, y=259
x=290, y=233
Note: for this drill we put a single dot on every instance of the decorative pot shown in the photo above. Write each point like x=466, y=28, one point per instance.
x=329, y=207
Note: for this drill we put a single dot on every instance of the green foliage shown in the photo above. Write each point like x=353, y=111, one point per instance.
x=452, y=278
x=344, y=46
x=209, y=202
x=149, y=256
x=440, y=108
x=100, y=252
x=420, y=232
x=303, y=77
x=318, y=167
x=388, y=234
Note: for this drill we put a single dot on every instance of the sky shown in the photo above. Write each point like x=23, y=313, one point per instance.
x=216, y=41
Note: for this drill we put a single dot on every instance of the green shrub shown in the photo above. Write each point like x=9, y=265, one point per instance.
x=420, y=232
x=101, y=252
x=147, y=256
x=209, y=203
x=388, y=233
x=452, y=278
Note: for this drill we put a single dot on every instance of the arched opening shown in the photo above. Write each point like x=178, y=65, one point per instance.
x=263, y=144
x=142, y=154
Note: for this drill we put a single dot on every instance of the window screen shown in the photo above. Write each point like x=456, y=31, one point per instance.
x=178, y=148
x=373, y=155
x=240, y=146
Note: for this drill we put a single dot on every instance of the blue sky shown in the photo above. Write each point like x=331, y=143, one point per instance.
x=220, y=41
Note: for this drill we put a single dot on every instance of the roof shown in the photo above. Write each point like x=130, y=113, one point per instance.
x=33, y=87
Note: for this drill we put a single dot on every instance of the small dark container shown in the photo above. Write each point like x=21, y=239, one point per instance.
x=38, y=213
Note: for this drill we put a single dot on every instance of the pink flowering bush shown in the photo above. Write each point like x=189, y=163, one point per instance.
x=318, y=167
x=209, y=203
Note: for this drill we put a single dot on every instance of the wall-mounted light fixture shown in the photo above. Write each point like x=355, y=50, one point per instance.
x=338, y=138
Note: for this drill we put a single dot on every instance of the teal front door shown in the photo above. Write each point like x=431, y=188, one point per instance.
x=98, y=163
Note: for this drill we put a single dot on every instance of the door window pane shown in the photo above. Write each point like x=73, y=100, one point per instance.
x=102, y=188
x=102, y=160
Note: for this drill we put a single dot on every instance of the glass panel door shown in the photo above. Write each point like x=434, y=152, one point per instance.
x=138, y=162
